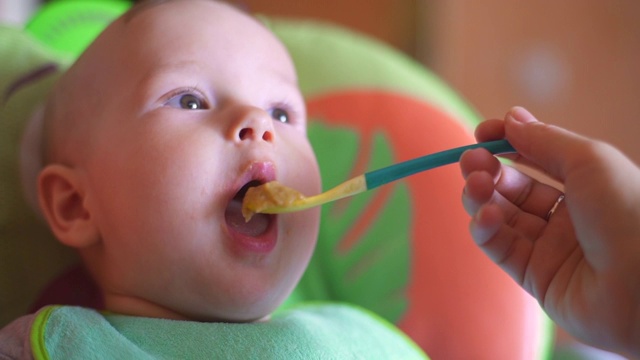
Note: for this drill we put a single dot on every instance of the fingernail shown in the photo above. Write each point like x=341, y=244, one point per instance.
x=521, y=115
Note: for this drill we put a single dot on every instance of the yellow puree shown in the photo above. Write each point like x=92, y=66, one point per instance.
x=266, y=197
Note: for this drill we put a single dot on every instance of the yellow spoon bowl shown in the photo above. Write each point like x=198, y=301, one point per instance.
x=275, y=198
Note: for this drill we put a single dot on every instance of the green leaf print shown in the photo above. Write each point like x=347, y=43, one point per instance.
x=363, y=251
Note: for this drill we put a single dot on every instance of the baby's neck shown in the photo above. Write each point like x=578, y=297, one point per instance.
x=132, y=306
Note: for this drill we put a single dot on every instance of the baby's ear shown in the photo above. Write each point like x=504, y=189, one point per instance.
x=62, y=200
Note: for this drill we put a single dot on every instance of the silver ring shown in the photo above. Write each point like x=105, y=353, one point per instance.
x=554, y=207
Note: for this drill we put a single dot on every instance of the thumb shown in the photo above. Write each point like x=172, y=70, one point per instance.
x=553, y=149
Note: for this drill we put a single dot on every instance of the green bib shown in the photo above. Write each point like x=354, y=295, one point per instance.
x=312, y=331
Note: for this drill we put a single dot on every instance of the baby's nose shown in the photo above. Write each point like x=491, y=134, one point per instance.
x=252, y=124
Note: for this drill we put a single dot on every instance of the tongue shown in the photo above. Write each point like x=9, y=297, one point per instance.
x=255, y=227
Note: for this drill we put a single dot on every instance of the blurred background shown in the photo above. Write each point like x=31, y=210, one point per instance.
x=575, y=63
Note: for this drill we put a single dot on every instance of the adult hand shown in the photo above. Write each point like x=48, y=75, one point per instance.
x=581, y=261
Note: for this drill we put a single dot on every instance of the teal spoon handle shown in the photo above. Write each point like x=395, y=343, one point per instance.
x=397, y=171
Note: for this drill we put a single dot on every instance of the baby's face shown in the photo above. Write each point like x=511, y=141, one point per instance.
x=197, y=102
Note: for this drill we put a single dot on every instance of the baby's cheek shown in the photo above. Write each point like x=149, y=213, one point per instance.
x=305, y=230
x=307, y=175
x=300, y=237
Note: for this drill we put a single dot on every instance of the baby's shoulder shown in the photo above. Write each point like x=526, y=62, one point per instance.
x=15, y=338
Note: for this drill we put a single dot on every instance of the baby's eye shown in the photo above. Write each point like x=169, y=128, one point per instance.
x=280, y=114
x=187, y=100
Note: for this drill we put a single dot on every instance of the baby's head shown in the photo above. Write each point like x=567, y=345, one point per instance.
x=152, y=137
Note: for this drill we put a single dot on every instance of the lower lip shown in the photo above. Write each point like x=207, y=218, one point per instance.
x=263, y=244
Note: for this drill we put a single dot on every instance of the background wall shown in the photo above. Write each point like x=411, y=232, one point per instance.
x=574, y=63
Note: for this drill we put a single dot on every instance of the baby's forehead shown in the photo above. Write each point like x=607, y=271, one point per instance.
x=151, y=22
x=173, y=26
x=193, y=19
x=201, y=32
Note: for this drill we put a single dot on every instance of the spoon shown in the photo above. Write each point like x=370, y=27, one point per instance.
x=275, y=198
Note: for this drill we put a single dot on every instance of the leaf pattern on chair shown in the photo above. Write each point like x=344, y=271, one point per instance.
x=362, y=255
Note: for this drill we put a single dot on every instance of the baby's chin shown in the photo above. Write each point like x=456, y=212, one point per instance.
x=247, y=314
x=255, y=303
x=143, y=308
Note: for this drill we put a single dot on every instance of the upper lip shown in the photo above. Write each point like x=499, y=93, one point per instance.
x=254, y=173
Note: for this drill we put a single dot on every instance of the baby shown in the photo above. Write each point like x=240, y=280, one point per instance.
x=151, y=140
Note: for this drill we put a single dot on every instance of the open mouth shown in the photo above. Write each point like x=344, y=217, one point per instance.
x=259, y=223
x=243, y=191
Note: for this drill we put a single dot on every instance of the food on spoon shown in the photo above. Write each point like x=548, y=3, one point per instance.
x=271, y=195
